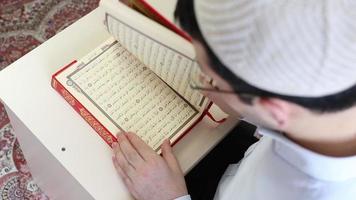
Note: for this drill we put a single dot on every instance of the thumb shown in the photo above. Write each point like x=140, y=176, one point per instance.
x=169, y=157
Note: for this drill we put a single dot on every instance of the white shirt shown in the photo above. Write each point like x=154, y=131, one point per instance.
x=275, y=168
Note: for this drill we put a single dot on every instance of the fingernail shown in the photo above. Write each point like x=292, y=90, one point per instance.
x=120, y=134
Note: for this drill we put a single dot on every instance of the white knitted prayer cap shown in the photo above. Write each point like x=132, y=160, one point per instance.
x=303, y=48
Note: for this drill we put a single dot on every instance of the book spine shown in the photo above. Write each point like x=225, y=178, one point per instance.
x=213, y=118
x=86, y=115
x=204, y=113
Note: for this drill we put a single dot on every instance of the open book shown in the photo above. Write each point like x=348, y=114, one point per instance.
x=135, y=81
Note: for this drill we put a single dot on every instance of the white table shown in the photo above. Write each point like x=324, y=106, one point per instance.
x=44, y=123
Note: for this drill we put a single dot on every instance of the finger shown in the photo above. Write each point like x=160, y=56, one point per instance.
x=130, y=186
x=130, y=153
x=143, y=149
x=127, y=181
x=118, y=168
x=169, y=157
x=122, y=162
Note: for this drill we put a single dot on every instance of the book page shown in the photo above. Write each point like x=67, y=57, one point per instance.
x=172, y=64
x=123, y=92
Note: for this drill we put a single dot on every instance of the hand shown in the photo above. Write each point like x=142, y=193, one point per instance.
x=147, y=175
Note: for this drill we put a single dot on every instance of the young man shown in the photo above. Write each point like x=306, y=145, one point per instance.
x=287, y=66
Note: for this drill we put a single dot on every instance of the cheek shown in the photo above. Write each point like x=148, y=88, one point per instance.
x=234, y=107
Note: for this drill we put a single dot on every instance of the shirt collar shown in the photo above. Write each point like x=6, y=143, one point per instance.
x=319, y=166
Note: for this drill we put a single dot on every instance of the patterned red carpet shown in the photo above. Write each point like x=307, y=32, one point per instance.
x=24, y=24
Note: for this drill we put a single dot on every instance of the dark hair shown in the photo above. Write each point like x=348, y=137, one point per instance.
x=184, y=13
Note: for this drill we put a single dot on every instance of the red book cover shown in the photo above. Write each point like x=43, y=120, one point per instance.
x=108, y=137
x=103, y=132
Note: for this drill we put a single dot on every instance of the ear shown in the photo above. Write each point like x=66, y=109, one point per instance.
x=279, y=110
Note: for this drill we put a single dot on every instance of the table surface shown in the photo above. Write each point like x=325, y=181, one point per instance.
x=25, y=89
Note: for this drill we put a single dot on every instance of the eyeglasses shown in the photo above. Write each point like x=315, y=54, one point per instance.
x=198, y=80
